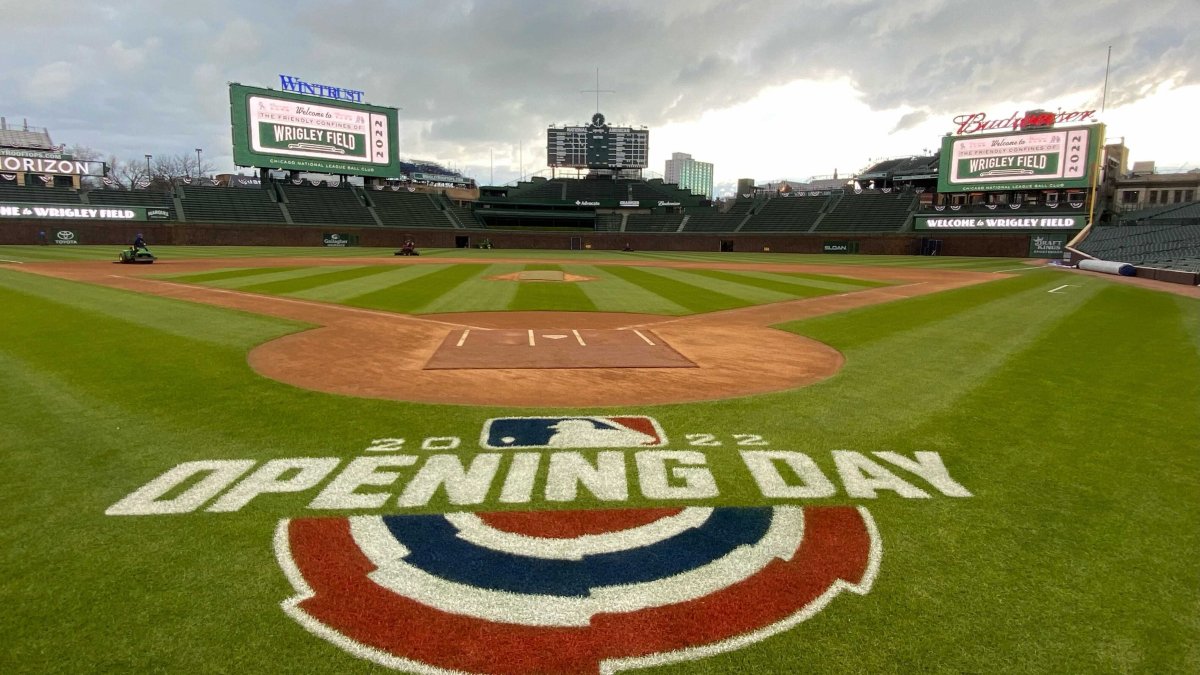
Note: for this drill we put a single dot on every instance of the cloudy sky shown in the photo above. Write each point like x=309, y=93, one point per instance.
x=765, y=90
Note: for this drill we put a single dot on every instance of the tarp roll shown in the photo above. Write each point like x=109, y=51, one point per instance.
x=1108, y=267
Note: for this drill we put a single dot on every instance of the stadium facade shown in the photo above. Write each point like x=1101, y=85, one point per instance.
x=1031, y=189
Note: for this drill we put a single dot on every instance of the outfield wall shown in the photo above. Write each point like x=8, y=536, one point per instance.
x=1016, y=245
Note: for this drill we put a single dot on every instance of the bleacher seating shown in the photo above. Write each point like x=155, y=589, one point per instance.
x=229, y=205
x=656, y=189
x=713, y=222
x=653, y=223
x=321, y=206
x=42, y=195
x=709, y=219
x=869, y=211
x=789, y=214
x=464, y=215
x=407, y=209
x=151, y=199
x=538, y=188
x=608, y=222
x=1163, y=246
x=593, y=189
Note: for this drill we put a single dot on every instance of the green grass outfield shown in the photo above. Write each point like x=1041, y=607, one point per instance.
x=1072, y=418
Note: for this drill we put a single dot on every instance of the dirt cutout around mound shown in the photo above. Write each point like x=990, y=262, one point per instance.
x=541, y=275
x=386, y=355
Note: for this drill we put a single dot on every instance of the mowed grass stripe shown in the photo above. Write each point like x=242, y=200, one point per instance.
x=1078, y=469
x=894, y=384
x=615, y=294
x=413, y=295
x=550, y=295
x=1189, y=315
x=740, y=295
x=148, y=312
x=270, y=282
x=480, y=294
x=336, y=291
x=327, y=275
x=827, y=282
x=219, y=275
x=793, y=289
x=896, y=318
x=694, y=298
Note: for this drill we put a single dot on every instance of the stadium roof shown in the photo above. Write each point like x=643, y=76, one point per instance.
x=34, y=139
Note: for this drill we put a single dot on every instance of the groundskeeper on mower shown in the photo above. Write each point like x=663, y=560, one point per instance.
x=133, y=255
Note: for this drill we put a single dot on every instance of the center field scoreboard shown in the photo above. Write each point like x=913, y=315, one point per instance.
x=597, y=146
x=284, y=130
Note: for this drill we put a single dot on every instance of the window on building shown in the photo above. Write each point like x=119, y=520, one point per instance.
x=1129, y=197
x=1178, y=196
x=1153, y=196
x=1189, y=195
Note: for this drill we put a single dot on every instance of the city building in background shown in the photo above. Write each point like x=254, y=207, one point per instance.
x=690, y=174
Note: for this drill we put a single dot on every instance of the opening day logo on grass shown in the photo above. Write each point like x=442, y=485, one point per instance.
x=529, y=591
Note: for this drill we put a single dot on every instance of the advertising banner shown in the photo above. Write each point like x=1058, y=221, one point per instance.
x=1044, y=159
x=65, y=238
x=840, y=247
x=76, y=212
x=336, y=239
x=1030, y=222
x=307, y=133
x=21, y=161
x=1048, y=245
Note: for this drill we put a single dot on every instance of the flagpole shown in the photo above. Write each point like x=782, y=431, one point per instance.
x=1104, y=96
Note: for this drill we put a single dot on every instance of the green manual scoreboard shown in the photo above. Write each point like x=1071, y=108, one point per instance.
x=1040, y=159
x=283, y=130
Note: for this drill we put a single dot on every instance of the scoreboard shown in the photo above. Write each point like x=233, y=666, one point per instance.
x=1036, y=159
x=299, y=132
x=597, y=146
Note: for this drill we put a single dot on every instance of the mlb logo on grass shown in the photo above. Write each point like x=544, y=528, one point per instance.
x=625, y=431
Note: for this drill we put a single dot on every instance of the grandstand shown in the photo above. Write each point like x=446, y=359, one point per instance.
x=326, y=206
x=637, y=222
x=868, y=211
x=407, y=209
x=147, y=198
x=788, y=214
x=41, y=195
x=1165, y=237
x=229, y=205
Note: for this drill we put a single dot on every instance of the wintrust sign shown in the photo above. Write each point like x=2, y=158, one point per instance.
x=978, y=122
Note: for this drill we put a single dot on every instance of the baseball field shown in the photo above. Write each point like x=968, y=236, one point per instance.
x=339, y=461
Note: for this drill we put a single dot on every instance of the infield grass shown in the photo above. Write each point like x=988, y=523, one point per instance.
x=1073, y=418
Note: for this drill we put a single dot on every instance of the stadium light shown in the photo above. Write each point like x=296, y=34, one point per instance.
x=148, y=166
x=199, y=175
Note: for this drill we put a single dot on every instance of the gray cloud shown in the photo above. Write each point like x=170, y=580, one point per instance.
x=474, y=75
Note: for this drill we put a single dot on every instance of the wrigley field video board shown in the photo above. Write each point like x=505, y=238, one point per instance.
x=1042, y=159
x=283, y=130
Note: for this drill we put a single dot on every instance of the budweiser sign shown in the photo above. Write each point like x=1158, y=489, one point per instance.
x=977, y=122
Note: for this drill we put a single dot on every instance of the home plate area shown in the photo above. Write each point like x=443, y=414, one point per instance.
x=555, y=348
